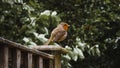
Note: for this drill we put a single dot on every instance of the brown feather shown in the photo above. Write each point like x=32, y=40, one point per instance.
x=59, y=33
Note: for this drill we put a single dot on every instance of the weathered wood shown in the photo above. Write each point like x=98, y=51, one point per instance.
x=56, y=51
x=57, y=60
x=24, y=60
x=51, y=48
x=23, y=57
x=4, y=57
x=46, y=63
x=40, y=62
x=16, y=58
x=29, y=60
x=25, y=48
x=51, y=64
x=37, y=61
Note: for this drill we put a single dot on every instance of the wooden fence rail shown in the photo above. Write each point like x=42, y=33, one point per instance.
x=14, y=55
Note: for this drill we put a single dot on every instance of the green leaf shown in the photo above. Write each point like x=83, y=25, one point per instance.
x=75, y=57
x=80, y=53
x=26, y=39
x=67, y=57
x=97, y=51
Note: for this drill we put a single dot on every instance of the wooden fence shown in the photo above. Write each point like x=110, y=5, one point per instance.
x=14, y=55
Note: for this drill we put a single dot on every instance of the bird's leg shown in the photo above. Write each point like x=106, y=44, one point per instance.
x=59, y=43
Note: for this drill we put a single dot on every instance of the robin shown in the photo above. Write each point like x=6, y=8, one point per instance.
x=59, y=33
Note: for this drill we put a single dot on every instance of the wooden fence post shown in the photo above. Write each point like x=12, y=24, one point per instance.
x=37, y=61
x=29, y=60
x=40, y=62
x=57, y=60
x=4, y=57
x=56, y=51
x=16, y=58
x=51, y=63
x=14, y=55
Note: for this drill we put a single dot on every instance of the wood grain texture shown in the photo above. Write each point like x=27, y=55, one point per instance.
x=16, y=58
x=30, y=60
x=25, y=48
x=51, y=48
x=4, y=57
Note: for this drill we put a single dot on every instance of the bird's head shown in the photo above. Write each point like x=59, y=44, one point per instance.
x=65, y=25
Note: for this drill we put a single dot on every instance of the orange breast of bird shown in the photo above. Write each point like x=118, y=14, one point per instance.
x=65, y=27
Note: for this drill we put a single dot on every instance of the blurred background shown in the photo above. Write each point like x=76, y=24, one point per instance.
x=93, y=37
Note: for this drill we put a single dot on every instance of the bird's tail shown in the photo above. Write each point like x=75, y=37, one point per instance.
x=49, y=40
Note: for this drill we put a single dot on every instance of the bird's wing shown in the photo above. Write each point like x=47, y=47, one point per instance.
x=53, y=34
x=59, y=35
